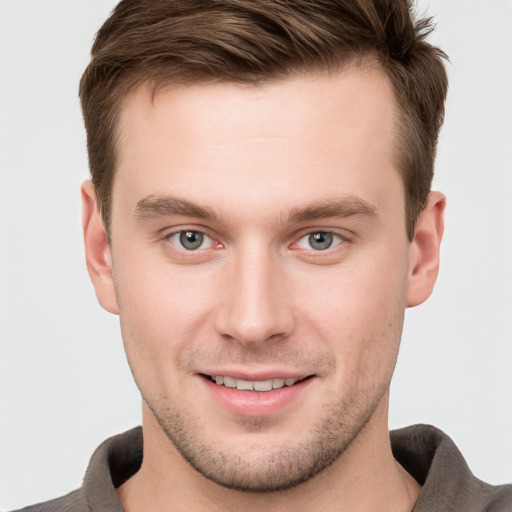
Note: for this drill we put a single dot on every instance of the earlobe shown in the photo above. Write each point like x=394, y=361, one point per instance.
x=424, y=250
x=97, y=250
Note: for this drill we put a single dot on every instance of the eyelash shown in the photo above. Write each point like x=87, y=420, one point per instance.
x=333, y=240
x=177, y=242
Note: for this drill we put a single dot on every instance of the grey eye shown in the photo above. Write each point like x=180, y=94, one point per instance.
x=191, y=240
x=320, y=241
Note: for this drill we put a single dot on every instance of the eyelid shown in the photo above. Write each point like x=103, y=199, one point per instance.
x=343, y=238
x=175, y=239
x=168, y=233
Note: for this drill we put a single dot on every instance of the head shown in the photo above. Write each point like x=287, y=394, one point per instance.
x=183, y=42
x=260, y=217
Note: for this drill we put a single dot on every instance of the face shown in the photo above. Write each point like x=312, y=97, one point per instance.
x=261, y=268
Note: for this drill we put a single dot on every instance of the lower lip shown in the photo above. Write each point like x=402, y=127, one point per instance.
x=256, y=403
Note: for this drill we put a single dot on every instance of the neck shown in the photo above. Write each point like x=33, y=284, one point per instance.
x=365, y=477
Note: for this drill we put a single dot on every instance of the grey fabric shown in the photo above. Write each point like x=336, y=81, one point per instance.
x=432, y=458
x=425, y=452
x=113, y=462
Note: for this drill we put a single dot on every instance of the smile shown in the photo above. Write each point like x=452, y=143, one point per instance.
x=253, y=385
x=256, y=395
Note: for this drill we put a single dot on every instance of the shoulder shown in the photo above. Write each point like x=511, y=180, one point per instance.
x=434, y=460
x=113, y=462
x=74, y=501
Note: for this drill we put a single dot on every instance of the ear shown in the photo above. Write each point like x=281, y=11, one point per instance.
x=97, y=250
x=424, y=250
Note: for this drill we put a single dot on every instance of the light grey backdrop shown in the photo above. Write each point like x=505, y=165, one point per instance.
x=64, y=382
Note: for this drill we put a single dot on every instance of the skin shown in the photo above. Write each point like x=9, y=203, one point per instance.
x=258, y=169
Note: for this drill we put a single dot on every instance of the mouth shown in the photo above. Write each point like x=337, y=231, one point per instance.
x=254, y=385
x=257, y=395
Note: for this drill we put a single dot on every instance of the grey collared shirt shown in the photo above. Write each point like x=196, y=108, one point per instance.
x=428, y=454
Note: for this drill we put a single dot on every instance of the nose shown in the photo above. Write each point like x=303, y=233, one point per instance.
x=255, y=306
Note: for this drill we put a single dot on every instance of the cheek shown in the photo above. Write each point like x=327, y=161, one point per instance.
x=163, y=315
x=358, y=311
x=162, y=308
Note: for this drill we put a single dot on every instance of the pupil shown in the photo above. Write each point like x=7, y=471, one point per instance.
x=320, y=241
x=191, y=239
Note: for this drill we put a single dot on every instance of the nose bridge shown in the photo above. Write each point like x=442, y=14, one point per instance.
x=254, y=308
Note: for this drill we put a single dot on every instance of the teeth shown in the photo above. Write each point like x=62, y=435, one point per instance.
x=244, y=385
x=263, y=385
x=253, y=385
x=229, y=382
x=277, y=383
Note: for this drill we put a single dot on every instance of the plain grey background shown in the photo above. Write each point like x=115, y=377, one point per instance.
x=64, y=382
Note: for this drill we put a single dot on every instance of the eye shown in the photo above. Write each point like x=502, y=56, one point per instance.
x=319, y=241
x=191, y=240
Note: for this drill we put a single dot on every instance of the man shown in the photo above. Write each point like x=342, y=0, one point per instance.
x=260, y=216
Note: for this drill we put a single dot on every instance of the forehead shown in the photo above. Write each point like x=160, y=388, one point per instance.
x=361, y=88
x=308, y=135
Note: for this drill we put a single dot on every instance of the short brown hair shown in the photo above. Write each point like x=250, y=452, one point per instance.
x=164, y=42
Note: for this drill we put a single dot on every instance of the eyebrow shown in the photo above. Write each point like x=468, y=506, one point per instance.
x=154, y=206
x=348, y=206
x=169, y=206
